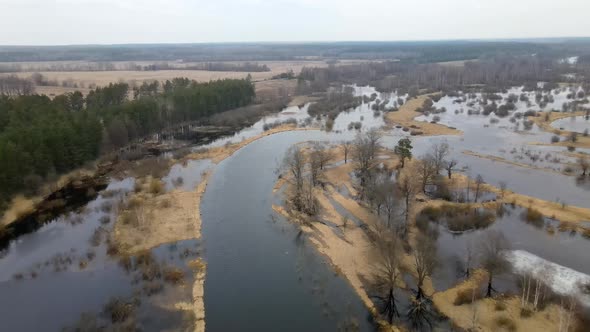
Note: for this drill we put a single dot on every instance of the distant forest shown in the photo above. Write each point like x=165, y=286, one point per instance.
x=41, y=138
x=419, y=52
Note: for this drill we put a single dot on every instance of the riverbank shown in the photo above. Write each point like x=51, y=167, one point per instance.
x=342, y=233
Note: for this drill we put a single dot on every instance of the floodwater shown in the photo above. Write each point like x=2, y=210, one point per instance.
x=579, y=124
x=262, y=274
x=531, y=247
x=260, y=270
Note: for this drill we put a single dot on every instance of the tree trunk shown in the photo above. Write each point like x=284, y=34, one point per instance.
x=489, y=292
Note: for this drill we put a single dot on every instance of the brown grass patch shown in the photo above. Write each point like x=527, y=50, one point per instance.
x=405, y=118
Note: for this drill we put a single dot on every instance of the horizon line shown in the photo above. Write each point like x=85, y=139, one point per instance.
x=500, y=39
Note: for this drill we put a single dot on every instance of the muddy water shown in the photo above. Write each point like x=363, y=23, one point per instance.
x=261, y=273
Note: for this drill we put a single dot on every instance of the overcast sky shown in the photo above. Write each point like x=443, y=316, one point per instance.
x=48, y=22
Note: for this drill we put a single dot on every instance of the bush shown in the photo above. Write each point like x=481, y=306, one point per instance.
x=554, y=139
x=156, y=187
x=465, y=296
x=173, y=275
x=525, y=313
x=499, y=306
x=105, y=220
x=534, y=217
x=505, y=323
x=118, y=310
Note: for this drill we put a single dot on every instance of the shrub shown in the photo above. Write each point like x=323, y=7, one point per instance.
x=465, y=296
x=505, y=323
x=173, y=275
x=118, y=310
x=152, y=287
x=525, y=313
x=105, y=220
x=533, y=216
x=499, y=306
x=156, y=187
x=554, y=139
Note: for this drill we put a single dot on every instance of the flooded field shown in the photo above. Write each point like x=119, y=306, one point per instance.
x=579, y=124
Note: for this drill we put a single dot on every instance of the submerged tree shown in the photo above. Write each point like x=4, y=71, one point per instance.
x=439, y=153
x=493, y=246
x=584, y=164
x=421, y=310
x=478, y=182
x=294, y=163
x=449, y=167
x=387, y=272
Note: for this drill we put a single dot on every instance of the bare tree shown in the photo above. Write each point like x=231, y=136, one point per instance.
x=346, y=147
x=566, y=312
x=492, y=248
x=584, y=164
x=388, y=198
x=439, y=154
x=294, y=163
x=318, y=159
x=427, y=171
x=425, y=261
x=364, y=154
x=408, y=188
x=503, y=186
x=478, y=182
x=387, y=272
x=449, y=167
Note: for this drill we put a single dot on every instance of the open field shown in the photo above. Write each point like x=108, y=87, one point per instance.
x=89, y=79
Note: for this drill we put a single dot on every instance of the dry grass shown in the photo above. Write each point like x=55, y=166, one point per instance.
x=582, y=142
x=568, y=214
x=19, y=207
x=406, y=114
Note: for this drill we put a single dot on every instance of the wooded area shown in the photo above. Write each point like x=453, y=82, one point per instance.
x=41, y=138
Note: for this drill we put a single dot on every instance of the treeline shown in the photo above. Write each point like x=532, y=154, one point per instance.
x=132, y=66
x=495, y=74
x=41, y=138
x=419, y=52
x=12, y=85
